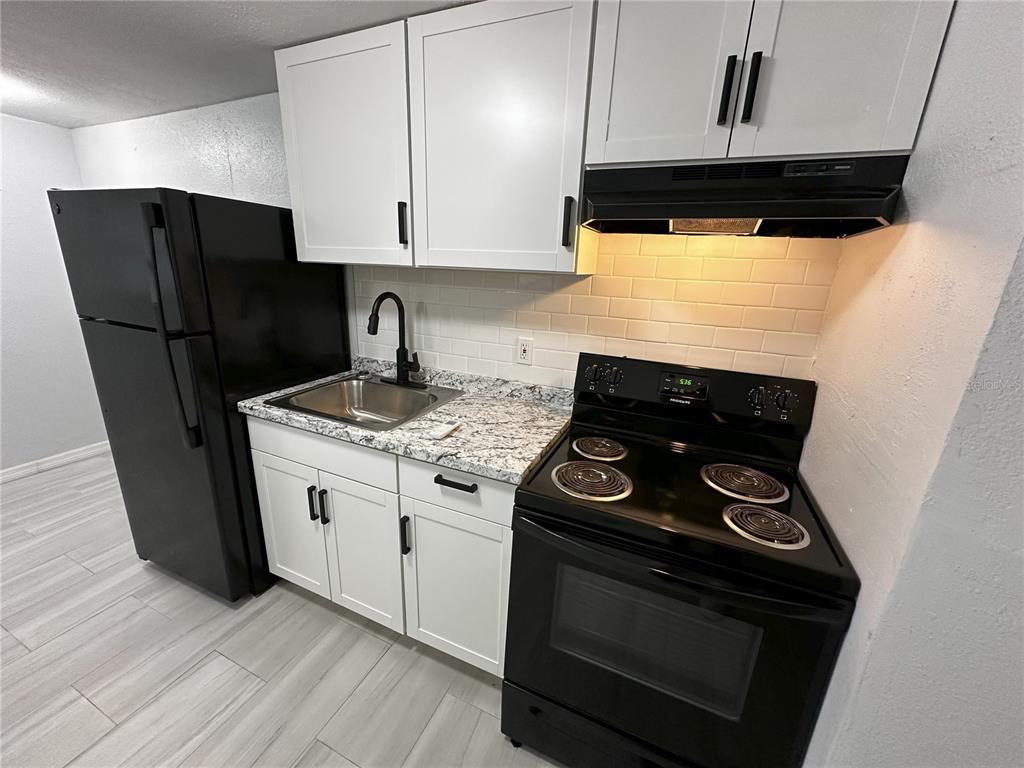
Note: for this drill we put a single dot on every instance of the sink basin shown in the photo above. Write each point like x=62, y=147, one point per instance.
x=366, y=403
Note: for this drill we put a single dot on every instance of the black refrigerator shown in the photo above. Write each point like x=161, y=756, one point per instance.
x=188, y=304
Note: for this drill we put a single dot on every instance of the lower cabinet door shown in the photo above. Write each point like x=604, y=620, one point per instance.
x=456, y=582
x=364, y=553
x=295, y=538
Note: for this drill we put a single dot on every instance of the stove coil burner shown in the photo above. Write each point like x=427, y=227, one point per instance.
x=744, y=483
x=591, y=481
x=599, y=448
x=766, y=526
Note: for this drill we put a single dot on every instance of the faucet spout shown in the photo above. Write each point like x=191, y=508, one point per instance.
x=404, y=365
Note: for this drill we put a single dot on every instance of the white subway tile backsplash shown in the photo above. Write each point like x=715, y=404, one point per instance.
x=606, y=326
x=726, y=269
x=739, y=339
x=589, y=305
x=790, y=343
x=601, y=285
x=753, y=304
x=651, y=288
x=635, y=266
x=646, y=330
x=569, y=323
x=539, y=320
x=801, y=296
x=634, y=309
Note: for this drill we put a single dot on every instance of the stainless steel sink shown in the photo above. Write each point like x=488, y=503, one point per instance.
x=366, y=403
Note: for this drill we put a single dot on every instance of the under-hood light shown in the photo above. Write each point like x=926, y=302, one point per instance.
x=713, y=226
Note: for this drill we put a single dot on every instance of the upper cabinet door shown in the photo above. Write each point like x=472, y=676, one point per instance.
x=345, y=120
x=497, y=94
x=664, y=81
x=836, y=76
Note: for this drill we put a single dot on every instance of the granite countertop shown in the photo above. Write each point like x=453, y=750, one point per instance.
x=505, y=424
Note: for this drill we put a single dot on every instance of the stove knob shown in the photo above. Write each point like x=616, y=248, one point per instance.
x=593, y=373
x=615, y=375
x=786, y=401
x=757, y=397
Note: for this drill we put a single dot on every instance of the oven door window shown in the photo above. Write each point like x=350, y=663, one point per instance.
x=688, y=652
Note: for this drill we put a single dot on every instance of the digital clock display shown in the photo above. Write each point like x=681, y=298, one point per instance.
x=685, y=382
x=683, y=387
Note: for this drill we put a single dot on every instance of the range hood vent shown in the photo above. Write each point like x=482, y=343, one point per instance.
x=820, y=197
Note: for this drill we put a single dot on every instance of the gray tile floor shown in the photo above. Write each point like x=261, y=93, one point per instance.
x=109, y=661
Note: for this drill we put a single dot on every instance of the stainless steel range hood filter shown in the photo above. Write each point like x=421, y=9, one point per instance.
x=768, y=198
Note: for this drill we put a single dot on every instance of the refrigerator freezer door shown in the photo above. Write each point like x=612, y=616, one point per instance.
x=129, y=252
x=174, y=494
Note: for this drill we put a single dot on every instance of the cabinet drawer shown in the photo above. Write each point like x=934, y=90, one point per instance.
x=490, y=499
x=335, y=456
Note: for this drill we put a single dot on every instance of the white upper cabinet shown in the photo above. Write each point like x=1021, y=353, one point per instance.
x=664, y=79
x=345, y=120
x=497, y=94
x=837, y=76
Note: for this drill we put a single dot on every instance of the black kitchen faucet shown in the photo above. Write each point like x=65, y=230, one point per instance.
x=404, y=366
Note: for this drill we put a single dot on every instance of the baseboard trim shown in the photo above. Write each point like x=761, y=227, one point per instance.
x=51, y=462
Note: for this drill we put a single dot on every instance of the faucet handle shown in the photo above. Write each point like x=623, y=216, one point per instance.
x=413, y=365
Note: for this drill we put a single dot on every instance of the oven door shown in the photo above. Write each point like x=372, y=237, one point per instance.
x=716, y=669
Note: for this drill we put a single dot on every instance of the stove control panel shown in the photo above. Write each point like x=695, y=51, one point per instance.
x=691, y=389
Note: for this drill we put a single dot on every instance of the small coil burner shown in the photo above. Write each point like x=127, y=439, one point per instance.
x=766, y=526
x=591, y=481
x=599, y=448
x=744, y=483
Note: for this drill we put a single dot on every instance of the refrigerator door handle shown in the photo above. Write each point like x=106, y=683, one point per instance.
x=153, y=217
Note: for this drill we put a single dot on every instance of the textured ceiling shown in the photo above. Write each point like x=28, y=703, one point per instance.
x=83, y=63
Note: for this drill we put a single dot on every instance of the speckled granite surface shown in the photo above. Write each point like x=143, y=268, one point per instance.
x=505, y=424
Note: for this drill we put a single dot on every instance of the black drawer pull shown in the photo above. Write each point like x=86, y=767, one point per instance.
x=403, y=534
x=442, y=480
x=748, y=100
x=324, y=519
x=403, y=235
x=567, y=221
x=723, y=105
x=309, y=496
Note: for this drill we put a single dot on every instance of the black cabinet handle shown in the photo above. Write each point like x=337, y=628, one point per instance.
x=309, y=497
x=442, y=480
x=324, y=519
x=403, y=534
x=748, y=99
x=723, y=105
x=567, y=222
x=403, y=235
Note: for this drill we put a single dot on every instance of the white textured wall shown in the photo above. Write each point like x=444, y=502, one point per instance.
x=47, y=397
x=944, y=682
x=234, y=149
x=909, y=310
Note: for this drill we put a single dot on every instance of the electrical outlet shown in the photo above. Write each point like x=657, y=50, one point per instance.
x=524, y=351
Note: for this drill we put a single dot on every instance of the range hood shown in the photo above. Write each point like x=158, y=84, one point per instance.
x=829, y=197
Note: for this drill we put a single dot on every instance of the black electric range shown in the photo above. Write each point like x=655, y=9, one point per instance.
x=676, y=598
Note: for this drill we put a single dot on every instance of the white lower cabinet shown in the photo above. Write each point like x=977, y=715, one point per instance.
x=363, y=552
x=432, y=563
x=296, y=540
x=456, y=582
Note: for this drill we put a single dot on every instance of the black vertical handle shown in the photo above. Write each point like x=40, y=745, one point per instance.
x=324, y=519
x=403, y=534
x=723, y=105
x=309, y=496
x=153, y=219
x=748, y=99
x=567, y=222
x=403, y=235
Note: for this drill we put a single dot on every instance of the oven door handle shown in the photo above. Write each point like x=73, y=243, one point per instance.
x=699, y=586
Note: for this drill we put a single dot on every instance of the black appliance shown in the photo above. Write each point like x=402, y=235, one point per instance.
x=188, y=304
x=830, y=197
x=676, y=598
